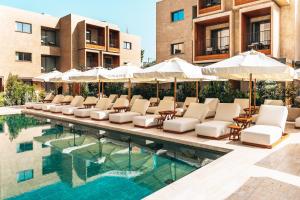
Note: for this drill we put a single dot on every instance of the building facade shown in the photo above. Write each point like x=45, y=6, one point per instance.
x=208, y=31
x=33, y=43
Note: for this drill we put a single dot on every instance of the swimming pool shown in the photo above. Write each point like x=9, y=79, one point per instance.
x=48, y=159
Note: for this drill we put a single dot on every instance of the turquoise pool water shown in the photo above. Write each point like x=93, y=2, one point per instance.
x=47, y=159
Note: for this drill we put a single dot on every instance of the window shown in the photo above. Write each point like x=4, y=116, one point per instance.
x=261, y=32
x=49, y=37
x=49, y=164
x=127, y=45
x=49, y=63
x=88, y=36
x=22, y=56
x=24, y=175
x=194, y=11
x=26, y=146
x=177, y=15
x=220, y=39
x=177, y=48
x=23, y=27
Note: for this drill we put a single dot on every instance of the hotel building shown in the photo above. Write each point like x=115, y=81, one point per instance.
x=207, y=31
x=34, y=43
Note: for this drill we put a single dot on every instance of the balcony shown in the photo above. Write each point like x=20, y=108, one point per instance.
x=208, y=6
x=260, y=41
x=242, y=2
x=92, y=59
x=95, y=37
x=114, y=41
x=111, y=61
x=216, y=48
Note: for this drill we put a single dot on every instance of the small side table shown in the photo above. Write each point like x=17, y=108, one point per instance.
x=165, y=115
x=253, y=111
x=235, y=132
x=89, y=105
x=65, y=102
x=121, y=109
x=243, y=122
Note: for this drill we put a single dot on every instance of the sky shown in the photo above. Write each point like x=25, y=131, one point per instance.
x=136, y=16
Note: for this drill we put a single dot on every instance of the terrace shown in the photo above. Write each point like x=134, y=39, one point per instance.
x=95, y=37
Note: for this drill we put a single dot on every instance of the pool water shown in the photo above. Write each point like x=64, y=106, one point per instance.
x=47, y=159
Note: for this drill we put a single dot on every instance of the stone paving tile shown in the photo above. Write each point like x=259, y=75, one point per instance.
x=286, y=159
x=265, y=188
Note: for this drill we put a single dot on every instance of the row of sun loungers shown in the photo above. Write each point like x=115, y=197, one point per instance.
x=209, y=120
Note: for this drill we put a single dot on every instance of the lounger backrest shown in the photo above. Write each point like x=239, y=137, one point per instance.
x=164, y=105
x=120, y=102
x=124, y=96
x=91, y=100
x=272, y=116
x=103, y=104
x=133, y=98
x=140, y=106
x=58, y=98
x=197, y=111
x=168, y=98
x=68, y=98
x=212, y=103
x=77, y=101
x=49, y=97
x=113, y=97
x=227, y=111
x=244, y=103
x=154, y=100
x=189, y=100
x=273, y=102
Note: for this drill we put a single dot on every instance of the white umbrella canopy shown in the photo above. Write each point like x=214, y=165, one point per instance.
x=173, y=68
x=46, y=77
x=252, y=62
x=94, y=75
x=122, y=73
x=65, y=77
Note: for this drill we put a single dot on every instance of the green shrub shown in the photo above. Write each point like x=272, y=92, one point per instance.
x=2, y=99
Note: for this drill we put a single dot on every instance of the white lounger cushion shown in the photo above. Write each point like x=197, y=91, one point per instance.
x=261, y=134
x=76, y=102
x=103, y=104
x=58, y=108
x=122, y=117
x=213, y=128
x=273, y=102
x=244, y=103
x=269, y=126
x=219, y=126
x=101, y=115
x=57, y=99
x=69, y=110
x=145, y=121
x=213, y=104
x=187, y=102
x=181, y=125
x=47, y=107
x=152, y=109
x=133, y=98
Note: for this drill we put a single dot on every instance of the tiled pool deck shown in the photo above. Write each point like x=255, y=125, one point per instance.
x=222, y=178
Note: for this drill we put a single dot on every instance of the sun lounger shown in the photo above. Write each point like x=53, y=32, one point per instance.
x=125, y=96
x=152, y=110
x=149, y=121
x=76, y=102
x=196, y=113
x=57, y=99
x=244, y=103
x=269, y=127
x=133, y=98
x=103, y=114
x=48, y=99
x=113, y=97
x=139, y=108
x=212, y=104
x=273, y=102
x=88, y=101
x=47, y=107
x=154, y=101
x=187, y=102
x=102, y=104
x=218, y=128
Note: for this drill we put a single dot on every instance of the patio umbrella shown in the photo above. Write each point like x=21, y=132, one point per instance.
x=175, y=68
x=94, y=75
x=248, y=66
x=122, y=74
x=46, y=77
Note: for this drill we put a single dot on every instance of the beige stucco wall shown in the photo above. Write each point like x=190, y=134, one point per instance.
x=12, y=41
x=134, y=55
x=168, y=33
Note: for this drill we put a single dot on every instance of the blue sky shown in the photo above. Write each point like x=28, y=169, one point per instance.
x=138, y=16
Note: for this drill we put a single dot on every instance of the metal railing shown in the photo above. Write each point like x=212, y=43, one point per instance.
x=259, y=40
x=100, y=41
x=209, y=3
x=219, y=45
x=114, y=43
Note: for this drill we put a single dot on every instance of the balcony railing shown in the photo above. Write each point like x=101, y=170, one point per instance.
x=210, y=3
x=259, y=40
x=100, y=41
x=114, y=43
x=214, y=46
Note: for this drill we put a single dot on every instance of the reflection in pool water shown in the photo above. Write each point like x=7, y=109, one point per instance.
x=46, y=159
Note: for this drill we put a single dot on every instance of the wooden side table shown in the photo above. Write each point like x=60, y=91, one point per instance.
x=235, y=132
x=165, y=115
x=253, y=111
x=243, y=122
x=121, y=109
x=89, y=105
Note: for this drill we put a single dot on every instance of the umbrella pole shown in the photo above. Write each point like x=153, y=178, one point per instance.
x=102, y=89
x=175, y=92
x=157, y=89
x=99, y=85
x=254, y=95
x=197, y=89
x=250, y=93
x=129, y=89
